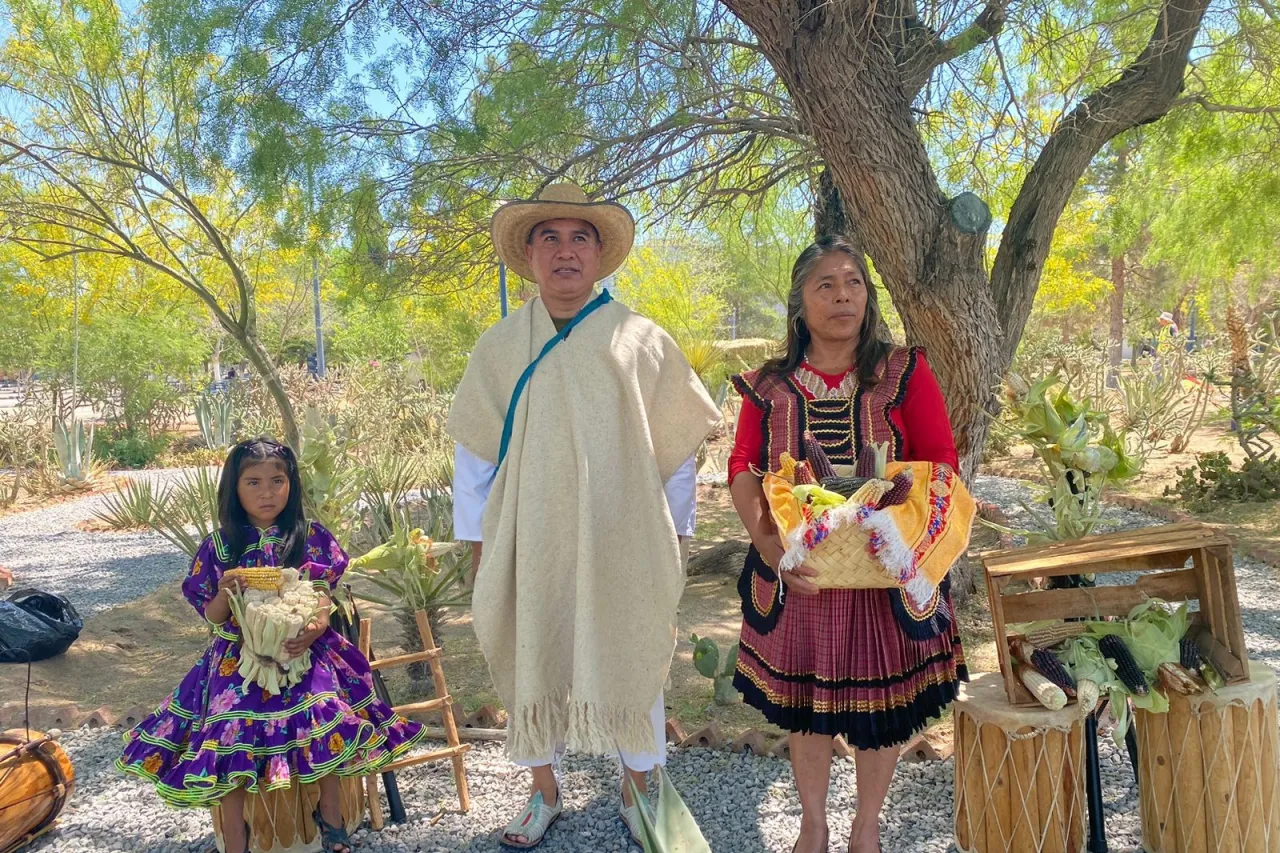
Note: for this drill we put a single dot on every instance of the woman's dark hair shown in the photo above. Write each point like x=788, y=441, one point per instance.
x=232, y=516
x=871, y=349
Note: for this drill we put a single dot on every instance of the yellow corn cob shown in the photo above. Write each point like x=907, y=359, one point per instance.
x=258, y=578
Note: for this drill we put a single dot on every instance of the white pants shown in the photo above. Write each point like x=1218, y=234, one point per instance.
x=641, y=762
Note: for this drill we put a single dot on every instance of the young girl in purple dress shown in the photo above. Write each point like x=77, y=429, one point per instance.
x=216, y=738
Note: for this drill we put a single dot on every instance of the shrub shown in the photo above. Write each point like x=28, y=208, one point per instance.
x=1213, y=479
x=124, y=448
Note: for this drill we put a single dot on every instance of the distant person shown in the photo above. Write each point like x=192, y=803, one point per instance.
x=215, y=738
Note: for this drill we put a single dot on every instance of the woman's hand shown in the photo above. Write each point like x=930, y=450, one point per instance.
x=309, y=635
x=798, y=580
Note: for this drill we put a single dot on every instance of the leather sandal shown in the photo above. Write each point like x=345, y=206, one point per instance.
x=532, y=823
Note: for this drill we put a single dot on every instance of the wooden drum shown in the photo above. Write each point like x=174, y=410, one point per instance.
x=281, y=822
x=36, y=779
x=1019, y=774
x=1208, y=771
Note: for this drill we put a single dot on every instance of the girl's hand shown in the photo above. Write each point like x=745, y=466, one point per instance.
x=309, y=635
x=231, y=583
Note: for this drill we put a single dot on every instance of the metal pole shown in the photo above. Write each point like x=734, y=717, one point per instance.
x=75, y=337
x=502, y=287
x=315, y=289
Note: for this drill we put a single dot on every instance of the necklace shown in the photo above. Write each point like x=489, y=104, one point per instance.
x=817, y=386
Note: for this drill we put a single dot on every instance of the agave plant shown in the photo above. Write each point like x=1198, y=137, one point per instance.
x=413, y=570
x=216, y=416
x=137, y=504
x=78, y=468
x=673, y=829
x=189, y=512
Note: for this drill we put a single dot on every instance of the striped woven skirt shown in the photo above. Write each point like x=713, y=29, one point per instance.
x=839, y=663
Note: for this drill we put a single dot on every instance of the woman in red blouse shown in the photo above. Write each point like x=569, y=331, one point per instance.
x=863, y=663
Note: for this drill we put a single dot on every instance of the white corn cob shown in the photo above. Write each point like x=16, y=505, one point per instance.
x=1046, y=692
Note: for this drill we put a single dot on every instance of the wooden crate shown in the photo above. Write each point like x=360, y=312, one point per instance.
x=1179, y=562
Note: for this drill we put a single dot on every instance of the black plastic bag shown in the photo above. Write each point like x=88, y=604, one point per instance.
x=36, y=625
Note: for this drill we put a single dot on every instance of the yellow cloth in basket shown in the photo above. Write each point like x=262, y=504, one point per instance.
x=911, y=546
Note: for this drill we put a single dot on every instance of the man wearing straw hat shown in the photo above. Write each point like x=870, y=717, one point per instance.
x=575, y=423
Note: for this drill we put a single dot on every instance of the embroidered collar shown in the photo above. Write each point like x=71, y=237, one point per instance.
x=815, y=384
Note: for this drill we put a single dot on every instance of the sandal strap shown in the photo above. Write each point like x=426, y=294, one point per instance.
x=534, y=819
x=631, y=817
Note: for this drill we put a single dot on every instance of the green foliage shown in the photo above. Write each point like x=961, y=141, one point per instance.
x=124, y=448
x=409, y=570
x=1214, y=480
x=679, y=288
x=710, y=664
x=138, y=504
x=672, y=829
x=215, y=414
x=1077, y=448
x=187, y=513
x=78, y=465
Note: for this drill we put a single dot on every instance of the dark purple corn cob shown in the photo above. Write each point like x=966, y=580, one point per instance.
x=901, y=488
x=817, y=457
x=803, y=475
x=1189, y=654
x=1126, y=667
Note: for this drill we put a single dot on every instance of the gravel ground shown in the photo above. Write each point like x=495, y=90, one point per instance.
x=95, y=571
x=743, y=804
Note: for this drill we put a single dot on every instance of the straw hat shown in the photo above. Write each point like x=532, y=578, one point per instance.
x=515, y=220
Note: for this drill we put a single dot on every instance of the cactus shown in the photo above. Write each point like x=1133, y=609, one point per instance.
x=215, y=416
x=709, y=663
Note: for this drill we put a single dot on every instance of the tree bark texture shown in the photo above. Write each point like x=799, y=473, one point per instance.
x=844, y=67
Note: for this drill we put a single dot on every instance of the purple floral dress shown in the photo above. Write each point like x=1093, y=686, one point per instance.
x=214, y=734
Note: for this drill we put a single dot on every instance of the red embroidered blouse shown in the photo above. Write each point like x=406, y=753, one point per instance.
x=922, y=419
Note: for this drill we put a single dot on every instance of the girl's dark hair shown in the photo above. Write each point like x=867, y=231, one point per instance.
x=232, y=516
x=871, y=349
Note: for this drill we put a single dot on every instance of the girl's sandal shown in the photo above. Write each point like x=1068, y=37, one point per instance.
x=333, y=839
x=532, y=823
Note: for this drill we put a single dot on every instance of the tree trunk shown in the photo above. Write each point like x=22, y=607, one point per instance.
x=215, y=360
x=266, y=368
x=852, y=70
x=1116, y=354
x=829, y=214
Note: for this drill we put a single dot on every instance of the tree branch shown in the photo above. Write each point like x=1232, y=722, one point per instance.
x=1146, y=90
x=923, y=49
x=1209, y=106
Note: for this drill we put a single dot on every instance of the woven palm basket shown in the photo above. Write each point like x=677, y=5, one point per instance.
x=911, y=546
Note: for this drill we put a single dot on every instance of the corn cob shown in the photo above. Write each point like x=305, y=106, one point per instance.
x=1045, y=663
x=844, y=485
x=258, y=577
x=1046, y=692
x=817, y=457
x=1122, y=660
x=1052, y=635
x=1087, y=694
x=787, y=471
x=803, y=475
x=872, y=460
x=897, y=494
x=1211, y=676
x=1189, y=654
x=1175, y=679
